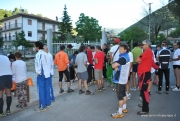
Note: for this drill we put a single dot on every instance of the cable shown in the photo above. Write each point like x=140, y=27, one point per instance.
x=145, y=3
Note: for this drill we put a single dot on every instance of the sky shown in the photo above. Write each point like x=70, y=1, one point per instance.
x=118, y=14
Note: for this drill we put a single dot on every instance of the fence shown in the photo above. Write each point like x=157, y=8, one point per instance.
x=75, y=44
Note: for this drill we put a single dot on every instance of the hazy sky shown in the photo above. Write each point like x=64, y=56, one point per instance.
x=109, y=13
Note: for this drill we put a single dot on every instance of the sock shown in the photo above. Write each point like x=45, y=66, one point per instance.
x=124, y=107
x=68, y=88
x=8, y=101
x=1, y=105
x=177, y=86
x=120, y=110
x=60, y=88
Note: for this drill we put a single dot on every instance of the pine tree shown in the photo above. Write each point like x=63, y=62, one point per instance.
x=65, y=26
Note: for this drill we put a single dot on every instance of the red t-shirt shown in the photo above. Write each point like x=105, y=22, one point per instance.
x=100, y=57
x=147, y=61
x=89, y=56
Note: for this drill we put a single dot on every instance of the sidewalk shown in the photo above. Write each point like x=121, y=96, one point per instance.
x=34, y=94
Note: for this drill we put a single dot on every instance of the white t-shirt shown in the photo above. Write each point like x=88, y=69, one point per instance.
x=19, y=71
x=175, y=56
x=5, y=66
x=152, y=69
x=113, y=50
x=131, y=58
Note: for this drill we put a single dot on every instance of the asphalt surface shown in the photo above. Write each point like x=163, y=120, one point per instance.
x=99, y=107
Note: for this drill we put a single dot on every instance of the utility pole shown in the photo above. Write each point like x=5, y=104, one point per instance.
x=150, y=21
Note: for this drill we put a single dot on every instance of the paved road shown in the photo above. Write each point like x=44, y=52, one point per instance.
x=75, y=107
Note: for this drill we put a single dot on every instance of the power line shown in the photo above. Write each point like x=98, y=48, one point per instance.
x=145, y=3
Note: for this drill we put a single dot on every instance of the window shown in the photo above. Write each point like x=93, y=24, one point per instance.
x=43, y=36
x=29, y=33
x=5, y=26
x=29, y=22
x=9, y=25
x=43, y=26
x=53, y=28
x=15, y=23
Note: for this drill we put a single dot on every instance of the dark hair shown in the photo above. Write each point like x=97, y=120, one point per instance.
x=75, y=52
x=11, y=56
x=92, y=47
x=125, y=47
x=164, y=43
x=69, y=46
x=18, y=54
x=135, y=44
x=62, y=47
x=39, y=44
x=105, y=44
x=158, y=46
x=82, y=48
x=98, y=47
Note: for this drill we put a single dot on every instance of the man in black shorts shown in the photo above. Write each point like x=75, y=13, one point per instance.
x=5, y=83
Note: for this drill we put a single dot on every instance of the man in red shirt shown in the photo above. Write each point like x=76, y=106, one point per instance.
x=98, y=67
x=90, y=64
x=144, y=75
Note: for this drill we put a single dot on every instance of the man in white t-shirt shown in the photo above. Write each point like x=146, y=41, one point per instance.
x=176, y=66
x=114, y=52
x=5, y=83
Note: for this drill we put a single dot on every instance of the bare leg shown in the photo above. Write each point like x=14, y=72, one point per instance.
x=98, y=83
x=85, y=85
x=134, y=78
x=128, y=87
x=60, y=84
x=80, y=84
x=102, y=82
x=68, y=84
x=149, y=86
x=176, y=72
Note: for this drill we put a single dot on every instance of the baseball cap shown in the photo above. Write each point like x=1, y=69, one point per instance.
x=117, y=41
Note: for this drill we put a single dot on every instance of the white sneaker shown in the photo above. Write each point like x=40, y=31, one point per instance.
x=172, y=87
x=133, y=89
x=140, y=98
x=128, y=96
x=176, y=89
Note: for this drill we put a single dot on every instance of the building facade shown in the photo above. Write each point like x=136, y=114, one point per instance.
x=34, y=27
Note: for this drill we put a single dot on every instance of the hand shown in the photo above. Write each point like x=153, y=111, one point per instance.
x=138, y=60
x=170, y=59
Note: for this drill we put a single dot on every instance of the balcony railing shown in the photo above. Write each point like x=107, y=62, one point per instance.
x=12, y=26
x=40, y=28
x=9, y=38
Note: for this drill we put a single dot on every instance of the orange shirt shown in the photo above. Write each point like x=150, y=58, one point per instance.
x=61, y=60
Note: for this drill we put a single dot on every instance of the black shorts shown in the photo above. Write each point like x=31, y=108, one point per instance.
x=5, y=82
x=129, y=77
x=176, y=66
x=135, y=68
x=121, y=91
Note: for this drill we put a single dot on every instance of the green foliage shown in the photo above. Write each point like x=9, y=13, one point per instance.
x=44, y=41
x=65, y=26
x=135, y=34
x=174, y=7
x=21, y=40
x=88, y=28
x=175, y=33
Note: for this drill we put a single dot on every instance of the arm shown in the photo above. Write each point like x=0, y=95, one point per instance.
x=111, y=57
x=121, y=61
x=176, y=59
x=38, y=64
x=154, y=65
x=13, y=69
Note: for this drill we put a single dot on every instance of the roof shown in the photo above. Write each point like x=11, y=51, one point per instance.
x=39, y=18
x=173, y=39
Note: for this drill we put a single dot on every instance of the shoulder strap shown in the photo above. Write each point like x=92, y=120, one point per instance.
x=115, y=53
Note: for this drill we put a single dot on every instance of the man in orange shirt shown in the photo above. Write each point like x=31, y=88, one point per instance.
x=62, y=61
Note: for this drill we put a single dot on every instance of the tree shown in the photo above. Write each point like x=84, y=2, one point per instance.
x=21, y=41
x=159, y=19
x=43, y=40
x=65, y=26
x=88, y=28
x=175, y=33
x=174, y=7
x=135, y=34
